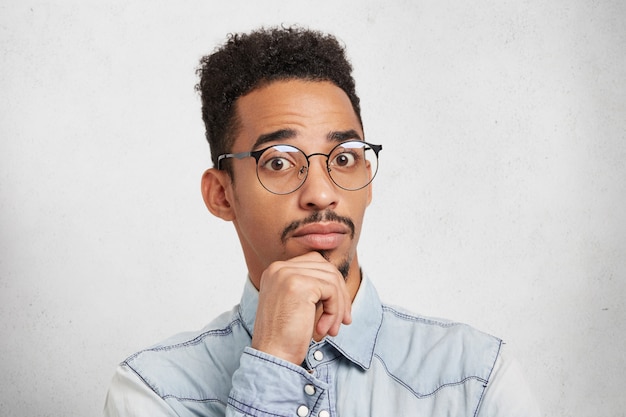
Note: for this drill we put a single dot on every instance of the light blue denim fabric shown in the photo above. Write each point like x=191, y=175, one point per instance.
x=386, y=363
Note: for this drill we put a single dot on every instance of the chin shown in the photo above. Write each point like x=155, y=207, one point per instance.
x=343, y=265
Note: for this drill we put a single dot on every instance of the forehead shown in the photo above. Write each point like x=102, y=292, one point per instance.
x=311, y=109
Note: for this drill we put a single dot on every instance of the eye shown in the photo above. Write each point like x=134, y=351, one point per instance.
x=277, y=164
x=345, y=160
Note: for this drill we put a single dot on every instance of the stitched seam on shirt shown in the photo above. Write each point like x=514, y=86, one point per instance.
x=329, y=392
x=195, y=400
x=380, y=326
x=319, y=398
x=371, y=348
x=420, y=319
x=143, y=379
x=153, y=389
x=198, y=339
x=242, y=321
x=273, y=362
x=419, y=395
x=237, y=404
x=317, y=405
x=482, y=395
x=219, y=332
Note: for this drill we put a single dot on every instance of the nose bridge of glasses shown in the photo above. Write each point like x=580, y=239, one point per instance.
x=325, y=155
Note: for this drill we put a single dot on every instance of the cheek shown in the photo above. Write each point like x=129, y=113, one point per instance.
x=364, y=202
x=257, y=214
x=360, y=200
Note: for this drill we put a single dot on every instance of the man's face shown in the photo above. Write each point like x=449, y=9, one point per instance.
x=319, y=216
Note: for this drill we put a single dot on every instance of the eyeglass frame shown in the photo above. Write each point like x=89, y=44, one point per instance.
x=257, y=155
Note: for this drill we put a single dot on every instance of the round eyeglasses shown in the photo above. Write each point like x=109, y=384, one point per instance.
x=282, y=169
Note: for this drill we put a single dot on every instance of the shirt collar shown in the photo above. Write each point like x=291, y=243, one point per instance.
x=356, y=341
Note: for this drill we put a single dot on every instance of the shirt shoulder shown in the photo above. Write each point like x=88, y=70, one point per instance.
x=428, y=354
x=194, y=367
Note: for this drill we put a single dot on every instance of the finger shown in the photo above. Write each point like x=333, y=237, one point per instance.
x=333, y=303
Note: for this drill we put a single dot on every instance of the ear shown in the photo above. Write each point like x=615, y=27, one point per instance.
x=216, y=186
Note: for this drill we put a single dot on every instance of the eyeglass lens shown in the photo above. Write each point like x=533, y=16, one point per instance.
x=282, y=169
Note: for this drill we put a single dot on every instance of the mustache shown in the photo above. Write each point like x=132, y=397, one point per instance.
x=318, y=216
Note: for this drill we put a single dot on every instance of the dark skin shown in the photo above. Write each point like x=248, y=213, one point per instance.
x=295, y=264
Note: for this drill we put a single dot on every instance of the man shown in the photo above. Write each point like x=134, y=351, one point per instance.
x=292, y=172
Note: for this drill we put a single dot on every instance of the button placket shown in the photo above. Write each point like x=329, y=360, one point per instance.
x=303, y=411
x=318, y=355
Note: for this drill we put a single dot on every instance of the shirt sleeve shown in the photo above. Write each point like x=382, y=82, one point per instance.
x=508, y=393
x=266, y=385
x=129, y=396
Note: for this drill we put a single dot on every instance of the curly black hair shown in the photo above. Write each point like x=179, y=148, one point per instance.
x=248, y=61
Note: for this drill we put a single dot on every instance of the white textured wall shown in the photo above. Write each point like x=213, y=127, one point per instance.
x=500, y=200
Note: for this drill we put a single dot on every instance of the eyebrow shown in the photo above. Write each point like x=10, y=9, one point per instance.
x=274, y=136
x=343, y=136
x=282, y=134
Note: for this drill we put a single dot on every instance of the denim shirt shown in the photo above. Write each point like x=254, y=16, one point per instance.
x=386, y=363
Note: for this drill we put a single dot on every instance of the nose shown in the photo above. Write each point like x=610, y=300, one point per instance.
x=318, y=192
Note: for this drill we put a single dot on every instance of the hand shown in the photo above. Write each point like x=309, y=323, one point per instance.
x=299, y=299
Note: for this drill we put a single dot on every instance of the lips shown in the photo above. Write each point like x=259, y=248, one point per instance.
x=321, y=236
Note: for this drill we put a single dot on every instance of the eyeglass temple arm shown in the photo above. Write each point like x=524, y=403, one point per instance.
x=239, y=155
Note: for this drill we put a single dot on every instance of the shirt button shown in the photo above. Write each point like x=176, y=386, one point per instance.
x=324, y=413
x=318, y=355
x=303, y=411
x=309, y=389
